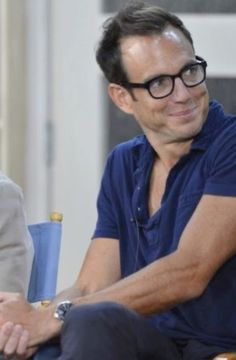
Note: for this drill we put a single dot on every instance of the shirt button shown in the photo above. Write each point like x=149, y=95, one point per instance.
x=138, y=187
x=139, y=209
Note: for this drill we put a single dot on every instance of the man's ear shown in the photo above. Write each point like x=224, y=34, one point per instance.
x=121, y=97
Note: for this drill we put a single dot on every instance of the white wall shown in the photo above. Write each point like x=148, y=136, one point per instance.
x=213, y=38
x=37, y=90
x=76, y=113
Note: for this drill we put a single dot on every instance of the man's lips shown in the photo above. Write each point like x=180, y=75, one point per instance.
x=184, y=112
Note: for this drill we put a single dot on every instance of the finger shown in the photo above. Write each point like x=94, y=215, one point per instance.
x=13, y=340
x=5, y=332
x=23, y=343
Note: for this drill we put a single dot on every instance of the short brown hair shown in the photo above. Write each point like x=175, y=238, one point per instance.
x=136, y=18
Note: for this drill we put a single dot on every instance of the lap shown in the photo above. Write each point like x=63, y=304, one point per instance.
x=93, y=326
x=122, y=332
x=196, y=350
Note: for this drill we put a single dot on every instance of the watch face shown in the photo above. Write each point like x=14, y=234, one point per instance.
x=62, y=309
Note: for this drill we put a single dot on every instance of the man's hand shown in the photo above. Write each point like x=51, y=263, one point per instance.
x=23, y=325
x=14, y=342
x=14, y=308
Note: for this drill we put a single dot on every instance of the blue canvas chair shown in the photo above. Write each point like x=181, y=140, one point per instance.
x=46, y=238
x=42, y=288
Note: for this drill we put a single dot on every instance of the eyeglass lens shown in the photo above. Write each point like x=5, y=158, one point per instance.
x=162, y=86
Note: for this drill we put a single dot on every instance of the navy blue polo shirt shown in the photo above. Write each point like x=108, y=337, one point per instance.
x=208, y=168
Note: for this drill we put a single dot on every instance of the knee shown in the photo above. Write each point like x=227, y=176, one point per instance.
x=97, y=331
x=91, y=316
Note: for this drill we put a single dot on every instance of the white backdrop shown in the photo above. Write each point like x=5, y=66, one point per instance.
x=77, y=115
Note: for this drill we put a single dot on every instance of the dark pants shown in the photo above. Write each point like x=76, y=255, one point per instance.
x=108, y=331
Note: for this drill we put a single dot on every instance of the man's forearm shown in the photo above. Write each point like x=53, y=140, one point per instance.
x=68, y=294
x=156, y=288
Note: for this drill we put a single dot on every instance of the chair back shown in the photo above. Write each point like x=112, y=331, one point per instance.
x=46, y=238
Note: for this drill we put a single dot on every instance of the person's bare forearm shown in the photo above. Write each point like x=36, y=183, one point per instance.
x=71, y=293
x=68, y=294
x=153, y=289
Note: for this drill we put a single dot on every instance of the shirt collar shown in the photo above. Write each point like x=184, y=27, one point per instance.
x=211, y=127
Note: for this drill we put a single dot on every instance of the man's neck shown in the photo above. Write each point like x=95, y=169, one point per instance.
x=170, y=153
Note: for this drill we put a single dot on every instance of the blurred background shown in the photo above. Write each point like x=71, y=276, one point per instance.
x=56, y=122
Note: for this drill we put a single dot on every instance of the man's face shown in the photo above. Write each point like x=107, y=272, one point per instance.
x=179, y=116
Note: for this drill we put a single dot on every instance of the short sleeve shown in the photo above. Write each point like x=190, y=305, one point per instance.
x=106, y=225
x=222, y=165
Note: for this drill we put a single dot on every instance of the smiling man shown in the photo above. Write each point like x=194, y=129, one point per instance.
x=158, y=281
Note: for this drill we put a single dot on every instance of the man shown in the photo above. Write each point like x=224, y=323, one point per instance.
x=157, y=281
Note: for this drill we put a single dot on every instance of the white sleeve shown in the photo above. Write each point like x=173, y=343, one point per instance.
x=16, y=248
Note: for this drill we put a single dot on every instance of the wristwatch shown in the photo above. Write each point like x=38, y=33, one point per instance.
x=62, y=309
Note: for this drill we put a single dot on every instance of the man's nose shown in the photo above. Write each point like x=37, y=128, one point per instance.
x=181, y=91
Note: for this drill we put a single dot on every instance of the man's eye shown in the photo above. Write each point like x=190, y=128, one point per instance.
x=159, y=82
x=191, y=70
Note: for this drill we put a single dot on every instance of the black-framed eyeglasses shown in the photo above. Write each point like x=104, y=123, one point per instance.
x=161, y=86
